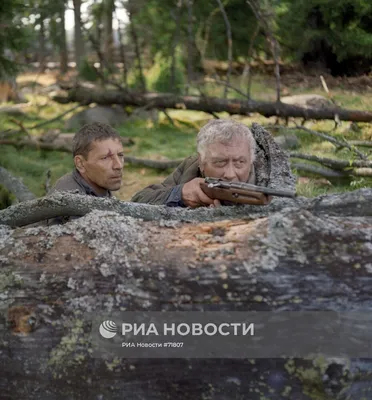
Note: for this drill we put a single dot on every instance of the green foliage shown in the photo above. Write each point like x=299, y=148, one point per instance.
x=6, y=198
x=162, y=25
x=159, y=76
x=343, y=25
x=88, y=72
x=32, y=166
x=12, y=35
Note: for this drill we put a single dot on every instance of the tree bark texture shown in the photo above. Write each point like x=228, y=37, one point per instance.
x=207, y=104
x=78, y=38
x=307, y=257
x=63, y=42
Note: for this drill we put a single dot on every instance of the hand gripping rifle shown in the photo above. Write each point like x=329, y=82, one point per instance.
x=239, y=192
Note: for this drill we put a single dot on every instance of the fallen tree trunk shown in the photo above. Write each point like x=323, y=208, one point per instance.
x=87, y=96
x=106, y=262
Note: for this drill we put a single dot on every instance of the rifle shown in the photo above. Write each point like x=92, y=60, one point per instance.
x=239, y=192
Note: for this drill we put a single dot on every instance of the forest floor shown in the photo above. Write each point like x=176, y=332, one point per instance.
x=160, y=140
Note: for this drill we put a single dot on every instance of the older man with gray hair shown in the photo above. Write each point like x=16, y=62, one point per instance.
x=226, y=150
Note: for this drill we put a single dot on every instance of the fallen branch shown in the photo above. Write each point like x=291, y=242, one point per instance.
x=363, y=143
x=15, y=186
x=86, y=96
x=338, y=143
x=331, y=163
x=314, y=169
x=25, y=129
x=58, y=117
x=226, y=84
x=362, y=172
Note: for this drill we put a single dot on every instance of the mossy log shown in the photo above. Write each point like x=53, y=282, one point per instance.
x=306, y=257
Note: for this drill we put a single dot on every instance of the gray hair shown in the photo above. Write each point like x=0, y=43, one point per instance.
x=223, y=131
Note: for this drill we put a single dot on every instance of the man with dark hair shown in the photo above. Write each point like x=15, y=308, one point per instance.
x=99, y=160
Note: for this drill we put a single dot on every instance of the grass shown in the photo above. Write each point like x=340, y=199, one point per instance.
x=162, y=140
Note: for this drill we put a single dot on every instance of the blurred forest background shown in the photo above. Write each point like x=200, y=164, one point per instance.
x=310, y=53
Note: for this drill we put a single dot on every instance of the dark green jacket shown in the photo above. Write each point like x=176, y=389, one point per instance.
x=185, y=172
x=72, y=182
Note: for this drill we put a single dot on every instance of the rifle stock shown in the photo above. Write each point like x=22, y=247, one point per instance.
x=243, y=193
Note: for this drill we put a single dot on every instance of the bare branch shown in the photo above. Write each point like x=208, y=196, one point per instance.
x=363, y=143
x=226, y=84
x=337, y=143
x=335, y=164
x=15, y=186
x=314, y=169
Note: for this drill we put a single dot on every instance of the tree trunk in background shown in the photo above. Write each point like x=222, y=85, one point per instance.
x=190, y=50
x=63, y=43
x=123, y=58
x=133, y=32
x=42, y=51
x=79, y=44
x=108, y=42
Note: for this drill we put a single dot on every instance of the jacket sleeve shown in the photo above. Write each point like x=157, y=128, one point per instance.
x=158, y=194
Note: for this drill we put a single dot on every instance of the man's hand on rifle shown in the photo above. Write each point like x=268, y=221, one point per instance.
x=193, y=196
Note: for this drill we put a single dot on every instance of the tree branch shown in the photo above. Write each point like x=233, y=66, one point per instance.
x=314, y=169
x=15, y=186
x=337, y=143
x=335, y=164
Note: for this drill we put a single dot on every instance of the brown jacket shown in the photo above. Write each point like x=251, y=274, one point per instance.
x=185, y=172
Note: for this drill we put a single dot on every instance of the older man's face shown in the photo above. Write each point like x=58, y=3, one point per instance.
x=103, y=167
x=231, y=162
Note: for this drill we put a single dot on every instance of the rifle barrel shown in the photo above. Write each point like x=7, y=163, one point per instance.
x=214, y=182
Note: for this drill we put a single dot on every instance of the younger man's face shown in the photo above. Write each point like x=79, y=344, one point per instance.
x=103, y=167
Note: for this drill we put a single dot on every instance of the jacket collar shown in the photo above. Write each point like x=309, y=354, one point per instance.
x=87, y=188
